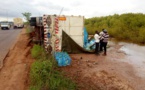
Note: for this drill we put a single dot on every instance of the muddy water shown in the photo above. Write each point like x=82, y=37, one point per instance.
x=134, y=55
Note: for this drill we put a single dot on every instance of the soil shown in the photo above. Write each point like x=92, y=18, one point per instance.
x=93, y=72
x=15, y=73
x=89, y=71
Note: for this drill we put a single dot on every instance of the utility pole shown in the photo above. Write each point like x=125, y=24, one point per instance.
x=61, y=11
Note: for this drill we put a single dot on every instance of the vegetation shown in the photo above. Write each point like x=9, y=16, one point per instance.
x=37, y=51
x=27, y=16
x=129, y=26
x=27, y=24
x=44, y=74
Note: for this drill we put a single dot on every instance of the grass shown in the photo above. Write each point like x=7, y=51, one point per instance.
x=29, y=29
x=44, y=74
x=37, y=51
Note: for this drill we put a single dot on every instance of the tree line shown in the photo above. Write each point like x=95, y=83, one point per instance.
x=128, y=26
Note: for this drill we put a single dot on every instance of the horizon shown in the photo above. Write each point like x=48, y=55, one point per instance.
x=11, y=18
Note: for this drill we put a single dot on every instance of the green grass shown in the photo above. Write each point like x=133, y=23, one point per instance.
x=44, y=74
x=37, y=51
x=28, y=29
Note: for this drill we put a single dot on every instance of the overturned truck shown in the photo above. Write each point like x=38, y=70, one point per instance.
x=61, y=35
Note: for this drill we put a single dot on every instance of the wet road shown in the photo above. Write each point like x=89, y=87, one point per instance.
x=7, y=39
x=136, y=57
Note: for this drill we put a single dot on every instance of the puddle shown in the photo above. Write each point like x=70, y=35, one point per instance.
x=135, y=55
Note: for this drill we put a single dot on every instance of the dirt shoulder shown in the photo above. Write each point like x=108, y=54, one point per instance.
x=14, y=74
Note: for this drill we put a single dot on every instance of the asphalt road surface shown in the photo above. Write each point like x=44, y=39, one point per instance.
x=7, y=39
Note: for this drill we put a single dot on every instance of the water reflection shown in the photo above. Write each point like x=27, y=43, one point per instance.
x=135, y=55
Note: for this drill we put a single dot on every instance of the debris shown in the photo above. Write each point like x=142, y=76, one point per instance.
x=87, y=60
x=89, y=65
x=95, y=63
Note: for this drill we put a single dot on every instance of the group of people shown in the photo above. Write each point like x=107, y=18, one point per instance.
x=101, y=40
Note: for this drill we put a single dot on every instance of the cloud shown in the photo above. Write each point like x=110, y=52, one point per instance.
x=14, y=9
x=75, y=4
x=90, y=8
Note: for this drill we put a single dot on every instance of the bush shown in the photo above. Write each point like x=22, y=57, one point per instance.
x=43, y=74
x=40, y=73
x=128, y=26
x=37, y=51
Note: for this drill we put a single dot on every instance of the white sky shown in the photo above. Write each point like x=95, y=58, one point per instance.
x=86, y=8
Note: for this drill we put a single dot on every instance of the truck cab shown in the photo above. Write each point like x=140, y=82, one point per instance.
x=5, y=25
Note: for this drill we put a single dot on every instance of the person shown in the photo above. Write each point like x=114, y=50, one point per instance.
x=101, y=40
x=105, y=38
x=97, y=40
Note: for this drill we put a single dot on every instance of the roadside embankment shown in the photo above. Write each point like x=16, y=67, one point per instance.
x=15, y=72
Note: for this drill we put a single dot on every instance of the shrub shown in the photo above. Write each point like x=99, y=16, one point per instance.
x=37, y=51
x=44, y=74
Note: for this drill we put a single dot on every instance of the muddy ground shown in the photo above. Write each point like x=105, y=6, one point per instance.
x=109, y=72
x=89, y=71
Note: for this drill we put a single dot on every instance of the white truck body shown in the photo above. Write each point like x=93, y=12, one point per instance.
x=5, y=25
x=18, y=23
x=53, y=25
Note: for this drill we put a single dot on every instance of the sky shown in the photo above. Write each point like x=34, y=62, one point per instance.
x=87, y=8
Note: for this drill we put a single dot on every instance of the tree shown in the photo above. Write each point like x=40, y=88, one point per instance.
x=27, y=16
x=128, y=26
x=27, y=24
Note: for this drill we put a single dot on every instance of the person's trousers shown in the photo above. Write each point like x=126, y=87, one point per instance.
x=104, y=46
x=97, y=48
x=101, y=45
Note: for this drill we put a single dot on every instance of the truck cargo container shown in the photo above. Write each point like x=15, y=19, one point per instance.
x=18, y=23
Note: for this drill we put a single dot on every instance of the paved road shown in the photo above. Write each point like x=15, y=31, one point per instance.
x=7, y=39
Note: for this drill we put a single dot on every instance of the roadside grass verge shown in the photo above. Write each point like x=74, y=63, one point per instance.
x=37, y=52
x=29, y=30
x=44, y=74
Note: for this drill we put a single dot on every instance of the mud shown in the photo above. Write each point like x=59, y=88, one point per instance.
x=110, y=72
x=135, y=56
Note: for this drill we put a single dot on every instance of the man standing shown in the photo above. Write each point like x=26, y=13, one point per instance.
x=97, y=40
x=105, y=38
x=101, y=40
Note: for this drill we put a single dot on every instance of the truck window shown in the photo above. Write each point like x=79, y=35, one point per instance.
x=4, y=23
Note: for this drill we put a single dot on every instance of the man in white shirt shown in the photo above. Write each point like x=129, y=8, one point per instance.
x=97, y=40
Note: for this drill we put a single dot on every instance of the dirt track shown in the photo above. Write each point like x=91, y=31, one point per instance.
x=14, y=74
x=89, y=71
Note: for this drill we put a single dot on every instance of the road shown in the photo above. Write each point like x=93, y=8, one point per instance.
x=7, y=39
